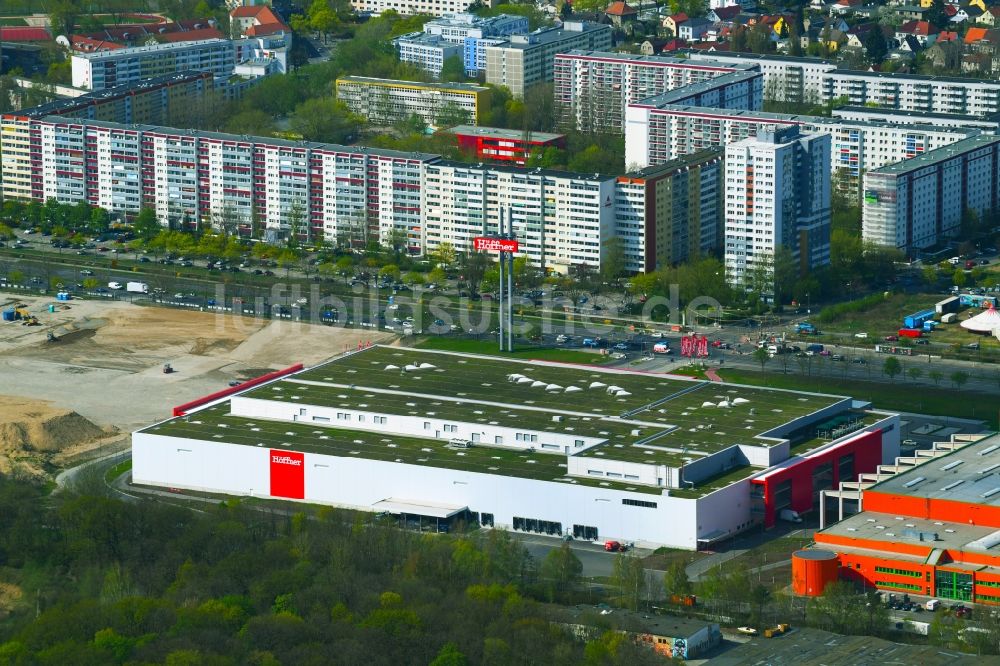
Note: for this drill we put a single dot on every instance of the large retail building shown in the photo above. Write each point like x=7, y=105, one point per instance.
x=930, y=525
x=438, y=437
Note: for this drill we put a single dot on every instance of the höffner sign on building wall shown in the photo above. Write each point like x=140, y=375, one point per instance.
x=486, y=244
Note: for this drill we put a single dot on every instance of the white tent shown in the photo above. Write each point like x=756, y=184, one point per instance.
x=614, y=389
x=536, y=384
x=708, y=404
x=392, y=367
x=553, y=387
x=573, y=389
x=411, y=368
x=427, y=366
x=622, y=394
x=525, y=380
x=984, y=322
x=597, y=384
x=740, y=401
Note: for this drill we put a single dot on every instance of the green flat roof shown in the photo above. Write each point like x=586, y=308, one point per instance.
x=662, y=420
x=217, y=424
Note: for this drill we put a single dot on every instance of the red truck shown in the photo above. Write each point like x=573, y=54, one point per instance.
x=615, y=547
x=910, y=333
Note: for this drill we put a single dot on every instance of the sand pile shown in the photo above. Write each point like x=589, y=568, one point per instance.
x=31, y=431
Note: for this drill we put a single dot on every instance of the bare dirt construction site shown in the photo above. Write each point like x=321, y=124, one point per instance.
x=102, y=376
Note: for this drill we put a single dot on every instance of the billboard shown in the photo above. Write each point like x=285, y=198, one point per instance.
x=694, y=345
x=487, y=244
x=288, y=474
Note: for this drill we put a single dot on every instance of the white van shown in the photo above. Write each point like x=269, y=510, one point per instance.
x=932, y=604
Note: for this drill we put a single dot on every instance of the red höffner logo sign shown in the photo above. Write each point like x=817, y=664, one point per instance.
x=286, y=460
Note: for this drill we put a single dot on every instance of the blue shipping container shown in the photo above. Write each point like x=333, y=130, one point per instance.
x=917, y=319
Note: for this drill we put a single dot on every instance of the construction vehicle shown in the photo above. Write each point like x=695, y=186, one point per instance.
x=777, y=630
x=167, y=369
x=683, y=599
x=51, y=337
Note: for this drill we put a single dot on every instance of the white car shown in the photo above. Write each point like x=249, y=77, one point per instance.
x=115, y=285
x=747, y=631
x=561, y=338
x=861, y=335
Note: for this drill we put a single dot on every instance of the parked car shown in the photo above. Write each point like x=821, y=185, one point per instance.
x=747, y=631
x=861, y=335
x=892, y=338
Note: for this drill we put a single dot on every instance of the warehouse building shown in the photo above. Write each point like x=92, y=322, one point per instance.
x=930, y=524
x=531, y=446
x=388, y=101
x=920, y=202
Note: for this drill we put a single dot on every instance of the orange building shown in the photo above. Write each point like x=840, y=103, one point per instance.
x=931, y=530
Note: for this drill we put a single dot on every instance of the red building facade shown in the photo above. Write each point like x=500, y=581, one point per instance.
x=504, y=145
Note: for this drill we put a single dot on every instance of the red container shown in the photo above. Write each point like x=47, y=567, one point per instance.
x=910, y=333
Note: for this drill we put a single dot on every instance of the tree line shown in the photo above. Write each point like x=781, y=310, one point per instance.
x=108, y=582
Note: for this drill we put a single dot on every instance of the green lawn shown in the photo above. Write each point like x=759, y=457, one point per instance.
x=118, y=470
x=901, y=395
x=469, y=346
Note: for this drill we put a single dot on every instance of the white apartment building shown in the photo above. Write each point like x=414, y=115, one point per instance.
x=428, y=52
x=670, y=213
x=919, y=202
x=812, y=80
x=528, y=59
x=561, y=219
x=471, y=34
x=344, y=194
x=908, y=92
x=386, y=101
x=459, y=27
x=987, y=124
x=593, y=88
x=411, y=7
x=777, y=194
x=104, y=69
x=786, y=79
x=657, y=134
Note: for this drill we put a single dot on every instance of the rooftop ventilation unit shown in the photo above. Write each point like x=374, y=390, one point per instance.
x=952, y=465
x=991, y=492
x=913, y=482
x=989, y=449
x=952, y=485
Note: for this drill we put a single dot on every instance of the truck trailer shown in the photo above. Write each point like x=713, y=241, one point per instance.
x=137, y=287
